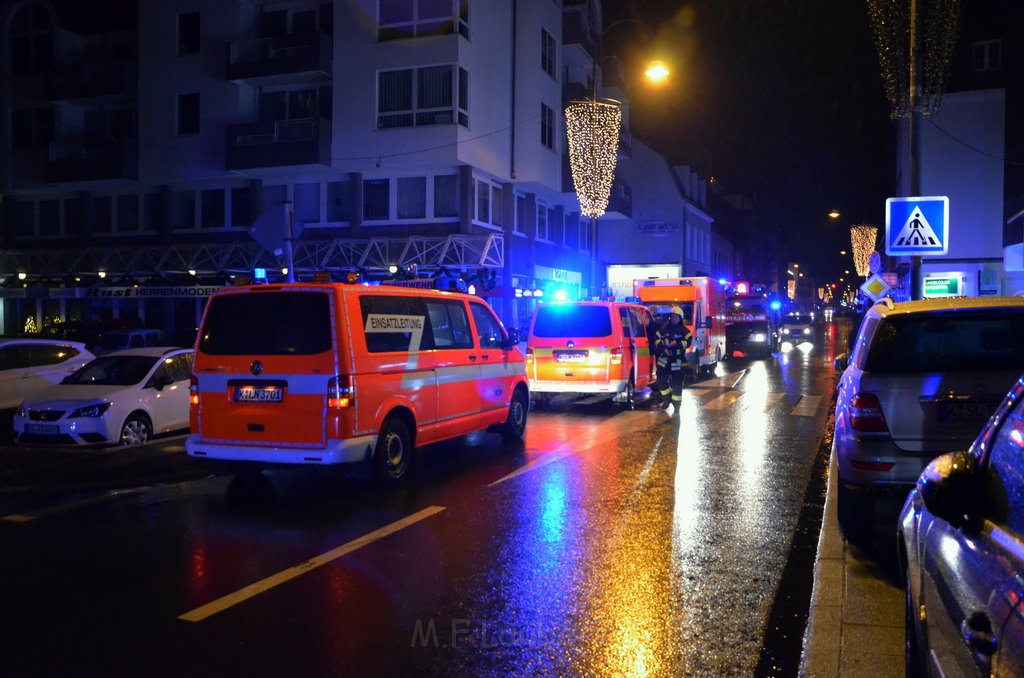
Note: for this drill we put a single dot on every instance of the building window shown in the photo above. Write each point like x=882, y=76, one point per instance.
x=128, y=213
x=376, y=199
x=483, y=202
x=307, y=203
x=422, y=96
x=412, y=197
x=988, y=55
x=543, y=231
x=102, y=214
x=339, y=201
x=496, y=216
x=213, y=208
x=520, y=225
x=188, y=33
x=31, y=128
x=49, y=217
x=547, y=127
x=446, y=195
x=30, y=40
x=547, y=52
x=152, y=211
x=183, y=210
x=241, y=206
x=398, y=19
x=584, y=234
x=188, y=113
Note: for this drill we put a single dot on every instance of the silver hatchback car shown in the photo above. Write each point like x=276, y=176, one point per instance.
x=923, y=379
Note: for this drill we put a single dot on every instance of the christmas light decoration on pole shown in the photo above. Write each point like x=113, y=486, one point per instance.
x=863, y=240
x=592, y=127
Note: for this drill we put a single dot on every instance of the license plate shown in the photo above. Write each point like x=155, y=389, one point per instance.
x=43, y=429
x=960, y=411
x=259, y=394
x=571, y=356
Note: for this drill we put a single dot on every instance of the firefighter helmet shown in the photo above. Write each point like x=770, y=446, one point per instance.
x=677, y=310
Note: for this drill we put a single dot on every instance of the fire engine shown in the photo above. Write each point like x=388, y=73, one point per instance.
x=701, y=301
x=751, y=321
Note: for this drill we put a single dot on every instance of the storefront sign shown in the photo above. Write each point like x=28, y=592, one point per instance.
x=170, y=292
x=943, y=285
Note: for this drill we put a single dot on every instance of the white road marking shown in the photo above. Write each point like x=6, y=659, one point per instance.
x=770, y=401
x=253, y=590
x=696, y=392
x=72, y=505
x=807, y=406
x=727, y=381
x=723, y=401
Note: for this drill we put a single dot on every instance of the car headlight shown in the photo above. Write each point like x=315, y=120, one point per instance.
x=785, y=330
x=757, y=336
x=807, y=330
x=96, y=410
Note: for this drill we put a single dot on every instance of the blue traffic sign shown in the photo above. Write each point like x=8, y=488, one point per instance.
x=917, y=225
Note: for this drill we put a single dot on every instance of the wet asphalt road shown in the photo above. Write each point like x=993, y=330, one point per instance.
x=612, y=542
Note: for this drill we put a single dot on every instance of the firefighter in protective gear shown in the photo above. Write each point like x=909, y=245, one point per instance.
x=673, y=338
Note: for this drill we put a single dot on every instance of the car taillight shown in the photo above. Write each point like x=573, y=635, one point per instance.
x=340, y=392
x=529, y=356
x=866, y=414
x=616, y=356
x=193, y=390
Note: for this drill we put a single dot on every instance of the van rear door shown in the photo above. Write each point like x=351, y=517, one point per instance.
x=264, y=358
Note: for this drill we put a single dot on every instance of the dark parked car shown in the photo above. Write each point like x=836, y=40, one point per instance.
x=961, y=544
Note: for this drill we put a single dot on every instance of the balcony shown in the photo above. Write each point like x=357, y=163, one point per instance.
x=279, y=60
x=100, y=79
x=577, y=30
x=92, y=158
x=278, y=144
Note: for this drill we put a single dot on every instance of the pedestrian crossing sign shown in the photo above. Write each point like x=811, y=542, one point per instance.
x=917, y=226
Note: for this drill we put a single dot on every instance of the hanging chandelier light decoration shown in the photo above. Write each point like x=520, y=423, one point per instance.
x=863, y=240
x=592, y=127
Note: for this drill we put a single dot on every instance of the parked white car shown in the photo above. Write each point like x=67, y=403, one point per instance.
x=923, y=379
x=27, y=366
x=120, y=340
x=121, y=398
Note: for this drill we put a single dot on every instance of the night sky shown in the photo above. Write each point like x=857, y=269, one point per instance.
x=779, y=100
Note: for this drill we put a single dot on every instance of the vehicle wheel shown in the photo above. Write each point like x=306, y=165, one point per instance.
x=912, y=659
x=515, y=426
x=135, y=430
x=629, y=397
x=392, y=457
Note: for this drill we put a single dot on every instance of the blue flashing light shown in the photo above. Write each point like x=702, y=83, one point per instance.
x=723, y=281
x=776, y=305
x=259, y=273
x=561, y=295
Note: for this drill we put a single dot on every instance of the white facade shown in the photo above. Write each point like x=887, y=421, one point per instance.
x=962, y=150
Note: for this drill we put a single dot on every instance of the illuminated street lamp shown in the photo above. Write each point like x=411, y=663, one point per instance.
x=592, y=127
x=834, y=214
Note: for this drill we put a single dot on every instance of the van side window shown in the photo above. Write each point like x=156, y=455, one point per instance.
x=449, y=324
x=395, y=323
x=627, y=325
x=488, y=329
x=639, y=326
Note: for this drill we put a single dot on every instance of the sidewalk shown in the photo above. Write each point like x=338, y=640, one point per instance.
x=855, y=626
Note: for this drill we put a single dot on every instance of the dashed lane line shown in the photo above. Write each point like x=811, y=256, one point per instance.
x=264, y=585
x=807, y=406
x=72, y=505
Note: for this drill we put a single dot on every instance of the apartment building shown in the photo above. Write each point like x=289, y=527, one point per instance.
x=144, y=141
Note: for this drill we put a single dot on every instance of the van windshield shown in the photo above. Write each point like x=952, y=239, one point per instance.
x=267, y=323
x=556, y=321
x=949, y=341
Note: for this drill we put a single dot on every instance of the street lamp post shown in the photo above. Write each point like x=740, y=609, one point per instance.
x=592, y=129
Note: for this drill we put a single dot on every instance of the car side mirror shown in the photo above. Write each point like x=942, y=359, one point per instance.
x=513, y=339
x=709, y=323
x=841, y=362
x=161, y=381
x=951, y=489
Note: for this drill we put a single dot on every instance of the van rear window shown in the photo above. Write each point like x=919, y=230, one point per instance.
x=556, y=321
x=267, y=323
